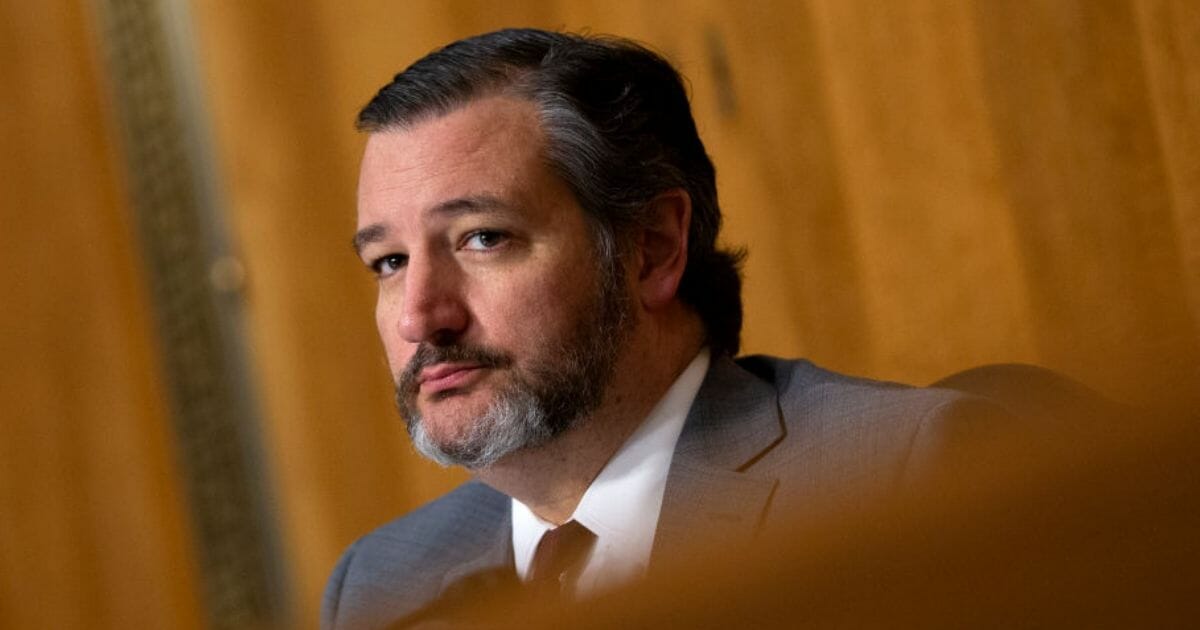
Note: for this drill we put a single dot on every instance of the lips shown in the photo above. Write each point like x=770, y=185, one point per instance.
x=446, y=376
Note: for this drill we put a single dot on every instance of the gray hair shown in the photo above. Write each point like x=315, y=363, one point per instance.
x=619, y=132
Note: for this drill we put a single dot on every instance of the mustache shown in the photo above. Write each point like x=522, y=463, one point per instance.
x=428, y=354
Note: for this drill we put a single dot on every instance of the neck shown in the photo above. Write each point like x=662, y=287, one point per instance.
x=551, y=479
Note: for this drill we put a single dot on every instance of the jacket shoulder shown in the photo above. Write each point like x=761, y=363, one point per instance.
x=849, y=430
x=401, y=566
x=809, y=392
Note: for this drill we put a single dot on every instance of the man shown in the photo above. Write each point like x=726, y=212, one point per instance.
x=542, y=217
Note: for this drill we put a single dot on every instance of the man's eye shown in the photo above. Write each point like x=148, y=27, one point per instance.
x=484, y=240
x=388, y=265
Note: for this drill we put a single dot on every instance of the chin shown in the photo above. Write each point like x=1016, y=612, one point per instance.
x=446, y=429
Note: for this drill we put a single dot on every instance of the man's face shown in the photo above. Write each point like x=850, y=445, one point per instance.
x=500, y=325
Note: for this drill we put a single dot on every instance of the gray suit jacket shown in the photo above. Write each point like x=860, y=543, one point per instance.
x=765, y=437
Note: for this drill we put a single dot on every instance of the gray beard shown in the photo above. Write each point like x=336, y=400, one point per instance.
x=514, y=421
x=556, y=393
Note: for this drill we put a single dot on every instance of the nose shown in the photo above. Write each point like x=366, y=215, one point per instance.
x=432, y=308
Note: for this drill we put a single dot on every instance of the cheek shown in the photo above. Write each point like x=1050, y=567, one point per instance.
x=533, y=308
x=388, y=325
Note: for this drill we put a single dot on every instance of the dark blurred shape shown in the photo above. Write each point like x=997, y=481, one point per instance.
x=155, y=92
x=1049, y=526
x=473, y=601
x=1029, y=390
x=1072, y=529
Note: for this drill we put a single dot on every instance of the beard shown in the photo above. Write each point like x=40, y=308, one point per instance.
x=564, y=382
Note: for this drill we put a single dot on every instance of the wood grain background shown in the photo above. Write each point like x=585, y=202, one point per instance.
x=923, y=186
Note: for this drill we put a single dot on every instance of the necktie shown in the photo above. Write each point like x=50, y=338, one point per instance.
x=559, y=559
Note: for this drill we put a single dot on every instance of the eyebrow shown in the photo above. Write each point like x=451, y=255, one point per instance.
x=453, y=207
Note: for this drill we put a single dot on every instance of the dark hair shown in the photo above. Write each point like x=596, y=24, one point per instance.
x=619, y=132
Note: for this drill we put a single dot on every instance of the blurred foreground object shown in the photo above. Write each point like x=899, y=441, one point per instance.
x=1044, y=525
x=1053, y=528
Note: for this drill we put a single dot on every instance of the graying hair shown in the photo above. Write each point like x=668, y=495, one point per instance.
x=619, y=132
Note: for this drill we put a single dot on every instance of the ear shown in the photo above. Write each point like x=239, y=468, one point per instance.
x=662, y=248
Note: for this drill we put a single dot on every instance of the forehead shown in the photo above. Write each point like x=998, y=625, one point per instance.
x=488, y=147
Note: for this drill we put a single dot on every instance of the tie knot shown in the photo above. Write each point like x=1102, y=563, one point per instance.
x=560, y=557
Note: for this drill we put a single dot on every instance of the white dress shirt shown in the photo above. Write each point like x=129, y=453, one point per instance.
x=622, y=505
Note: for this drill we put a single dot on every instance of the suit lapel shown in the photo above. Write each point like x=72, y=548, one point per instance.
x=711, y=489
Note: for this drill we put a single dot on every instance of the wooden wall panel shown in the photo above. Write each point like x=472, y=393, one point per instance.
x=931, y=227
x=1169, y=35
x=93, y=530
x=1083, y=168
x=761, y=99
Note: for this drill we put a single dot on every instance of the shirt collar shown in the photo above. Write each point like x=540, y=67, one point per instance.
x=623, y=503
